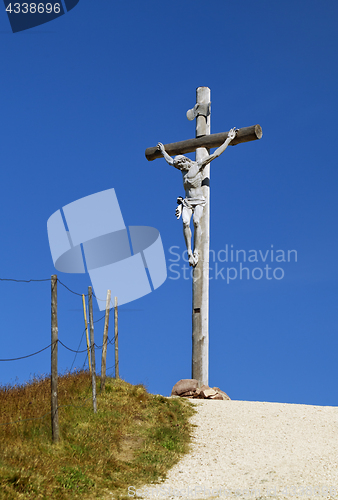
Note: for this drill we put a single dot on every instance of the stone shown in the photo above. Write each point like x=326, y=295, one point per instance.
x=208, y=392
x=222, y=393
x=204, y=387
x=188, y=388
x=216, y=396
x=188, y=394
x=184, y=385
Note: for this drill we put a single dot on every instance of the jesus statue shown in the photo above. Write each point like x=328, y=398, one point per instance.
x=194, y=201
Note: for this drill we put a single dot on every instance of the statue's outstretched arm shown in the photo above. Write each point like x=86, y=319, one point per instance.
x=165, y=154
x=220, y=150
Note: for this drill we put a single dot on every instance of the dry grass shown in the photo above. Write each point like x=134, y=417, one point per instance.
x=133, y=439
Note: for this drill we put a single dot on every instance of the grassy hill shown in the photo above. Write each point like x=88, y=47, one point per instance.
x=133, y=439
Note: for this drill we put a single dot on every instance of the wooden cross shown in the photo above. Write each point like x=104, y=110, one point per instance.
x=201, y=144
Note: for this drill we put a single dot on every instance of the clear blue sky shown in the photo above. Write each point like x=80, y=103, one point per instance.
x=83, y=96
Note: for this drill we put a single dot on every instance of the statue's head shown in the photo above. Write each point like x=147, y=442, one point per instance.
x=182, y=162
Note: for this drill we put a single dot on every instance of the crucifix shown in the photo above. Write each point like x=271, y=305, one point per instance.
x=196, y=204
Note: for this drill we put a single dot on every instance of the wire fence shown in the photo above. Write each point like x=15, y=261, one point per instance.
x=99, y=347
x=58, y=341
x=109, y=341
x=49, y=279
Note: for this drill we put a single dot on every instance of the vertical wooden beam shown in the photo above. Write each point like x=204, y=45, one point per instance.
x=200, y=287
x=86, y=326
x=116, y=340
x=54, y=360
x=91, y=326
x=104, y=346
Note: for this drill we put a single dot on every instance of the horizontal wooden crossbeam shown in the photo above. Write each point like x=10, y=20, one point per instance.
x=245, y=134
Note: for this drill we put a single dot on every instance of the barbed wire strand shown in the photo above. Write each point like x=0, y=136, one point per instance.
x=100, y=318
x=78, y=349
x=69, y=349
x=28, y=355
x=109, y=341
x=46, y=279
x=23, y=281
x=72, y=291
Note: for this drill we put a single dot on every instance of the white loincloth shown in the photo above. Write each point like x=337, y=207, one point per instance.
x=190, y=203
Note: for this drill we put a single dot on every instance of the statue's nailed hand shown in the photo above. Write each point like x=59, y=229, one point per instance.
x=160, y=147
x=232, y=133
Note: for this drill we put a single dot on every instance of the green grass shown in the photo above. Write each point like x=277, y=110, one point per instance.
x=132, y=440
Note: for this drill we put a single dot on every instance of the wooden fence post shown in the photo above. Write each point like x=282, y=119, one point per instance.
x=116, y=341
x=91, y=325
x=54, y=367
x=86, y=326
x=104, y=346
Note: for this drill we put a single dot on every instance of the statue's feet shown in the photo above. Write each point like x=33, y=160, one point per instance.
x=191, y=259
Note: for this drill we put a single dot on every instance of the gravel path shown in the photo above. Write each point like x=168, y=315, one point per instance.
x=252, y=450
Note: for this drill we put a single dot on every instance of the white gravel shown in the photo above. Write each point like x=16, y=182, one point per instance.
x=252, y=450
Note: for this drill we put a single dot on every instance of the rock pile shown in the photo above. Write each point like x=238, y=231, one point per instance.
x=188, y=388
